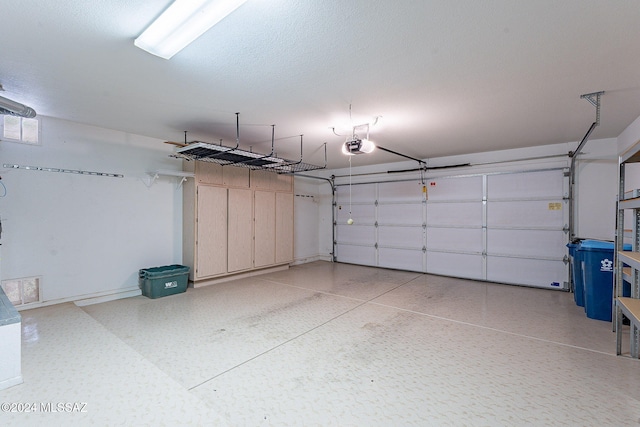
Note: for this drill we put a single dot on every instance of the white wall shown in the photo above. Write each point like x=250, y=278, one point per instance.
x=596, y=190
x=312, y=217
x=87, y=235
x=629, y=137
x=626, y=140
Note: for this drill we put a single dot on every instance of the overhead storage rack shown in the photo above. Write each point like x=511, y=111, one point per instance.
x=234, y=156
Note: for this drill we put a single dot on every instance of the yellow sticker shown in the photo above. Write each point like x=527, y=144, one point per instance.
x=555, y=206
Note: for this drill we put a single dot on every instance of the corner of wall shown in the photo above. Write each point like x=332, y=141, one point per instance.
x=629, y=137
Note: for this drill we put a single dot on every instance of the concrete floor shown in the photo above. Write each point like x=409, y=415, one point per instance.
x=331, y=345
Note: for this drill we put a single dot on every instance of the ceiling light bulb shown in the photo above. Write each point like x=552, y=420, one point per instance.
x=367, y=146
x=182, y=23
x=356, y=145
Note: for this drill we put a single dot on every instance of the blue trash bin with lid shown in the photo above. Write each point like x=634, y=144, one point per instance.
x=597, y=275
x=575, y=263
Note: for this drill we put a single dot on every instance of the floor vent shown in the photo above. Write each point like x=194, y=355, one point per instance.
x=22, y=291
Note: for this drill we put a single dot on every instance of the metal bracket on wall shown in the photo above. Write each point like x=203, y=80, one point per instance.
x=594, y=99
x=151, y=177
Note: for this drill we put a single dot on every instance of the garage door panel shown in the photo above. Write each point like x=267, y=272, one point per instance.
x=455, y=239
x=400, y=214
x=455, y=214
x=531, y=243
x=397, y=192
x=518, y=226
x=356, y=234
x=463, y=188
x=357, y=194
x=361, y=214
x=529, y=214
x=403, y=259
x=526, y=185
x=361, y=255
x=456, y=265
x=532, y=272
x=401, y=237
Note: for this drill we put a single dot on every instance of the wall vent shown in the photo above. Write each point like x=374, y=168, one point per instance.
x=19, y=129
x=22, y=291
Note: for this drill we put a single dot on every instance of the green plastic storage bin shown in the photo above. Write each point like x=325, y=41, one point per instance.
x=159, y=282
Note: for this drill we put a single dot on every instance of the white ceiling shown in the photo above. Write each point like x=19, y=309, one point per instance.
x=447, y=76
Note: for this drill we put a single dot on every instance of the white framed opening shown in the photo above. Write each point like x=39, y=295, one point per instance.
x=20, y=129
x=23, y=291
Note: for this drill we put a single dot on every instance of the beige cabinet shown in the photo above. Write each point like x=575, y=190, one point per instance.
x=207, y=173
x=284, y=227
x=211, y=231
x=240, y=231
x=236, y=221
x=235, y=177
x=265, y=228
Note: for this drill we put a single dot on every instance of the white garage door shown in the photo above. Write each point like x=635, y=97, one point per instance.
x=506, y=227
x=357, y=242
x=455, y=235
x=527, y=228
x=401, y=218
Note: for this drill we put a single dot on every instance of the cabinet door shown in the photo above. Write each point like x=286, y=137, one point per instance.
x=211, y=231
x=208, y=173
x=240, y=241
x=262, y=180
x=233, y=176
x=284, y=227
x=282, y=182
x=265, y=223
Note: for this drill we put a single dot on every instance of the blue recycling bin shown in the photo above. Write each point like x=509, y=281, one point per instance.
x=575, y=263
x=596, y=258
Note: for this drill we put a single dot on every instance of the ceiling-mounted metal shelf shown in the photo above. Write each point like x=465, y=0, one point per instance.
x=235, y=156
x=222, y=155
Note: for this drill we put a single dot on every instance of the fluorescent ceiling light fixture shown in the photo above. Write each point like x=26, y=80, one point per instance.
x=357, y=146
x=183, y=22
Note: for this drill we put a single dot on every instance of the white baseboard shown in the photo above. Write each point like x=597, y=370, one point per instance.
x=109, y=297
x=87, y=299
x=10, y=382
x=251, y=273
x=314, y=258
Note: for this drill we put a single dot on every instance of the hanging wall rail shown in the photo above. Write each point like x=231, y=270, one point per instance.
x=74, y=171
